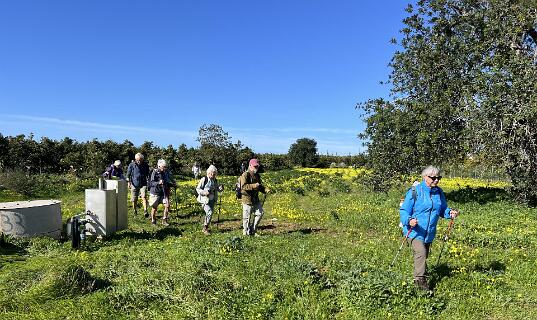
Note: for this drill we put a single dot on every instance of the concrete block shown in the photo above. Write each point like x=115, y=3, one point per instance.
x=102, y=215
x=31, y=218
x=121, y=188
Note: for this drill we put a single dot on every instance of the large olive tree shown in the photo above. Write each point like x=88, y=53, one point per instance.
x=463, y=83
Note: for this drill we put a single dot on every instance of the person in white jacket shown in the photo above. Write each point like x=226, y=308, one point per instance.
x=207, y=190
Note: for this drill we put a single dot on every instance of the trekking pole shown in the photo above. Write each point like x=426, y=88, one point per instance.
x=175, y=198
x=445, y=238
x=401, y=246
x=265, y=198
x=218, y=217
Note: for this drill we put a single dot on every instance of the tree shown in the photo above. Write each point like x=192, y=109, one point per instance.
x=304, y=153
x=463, y=84
x=217, y=149
x=213, y=135
x=4, y=152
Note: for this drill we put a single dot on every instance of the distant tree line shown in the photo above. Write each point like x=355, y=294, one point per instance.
x=90, y=158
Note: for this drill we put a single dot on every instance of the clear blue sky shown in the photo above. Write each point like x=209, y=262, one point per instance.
x=268, y=72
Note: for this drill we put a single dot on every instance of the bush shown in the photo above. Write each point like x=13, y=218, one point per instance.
x=18, y=181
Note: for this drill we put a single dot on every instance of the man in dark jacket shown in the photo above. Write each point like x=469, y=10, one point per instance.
x=250, y=184
x=137, y=175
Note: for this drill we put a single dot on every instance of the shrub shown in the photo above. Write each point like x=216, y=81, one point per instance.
x=18, y=181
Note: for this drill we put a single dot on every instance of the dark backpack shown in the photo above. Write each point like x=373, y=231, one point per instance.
x=238, y=190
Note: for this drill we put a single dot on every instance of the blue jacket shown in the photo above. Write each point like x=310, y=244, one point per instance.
x=430, y=204
x=112, y=171
x=137, y=174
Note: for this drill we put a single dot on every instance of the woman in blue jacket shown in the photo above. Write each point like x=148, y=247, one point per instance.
x=420, y=211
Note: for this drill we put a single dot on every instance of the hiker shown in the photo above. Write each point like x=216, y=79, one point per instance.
x=160, y=183
x=207, y=190
x=114, y=171
x=137, y=176
x=243, y=166
x=250, y=185
x=196, y=170
x=420, y=212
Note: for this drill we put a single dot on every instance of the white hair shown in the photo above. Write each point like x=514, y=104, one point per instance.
x=211, y=169
x=161, y=163
x=139, y=156
x=430, y=171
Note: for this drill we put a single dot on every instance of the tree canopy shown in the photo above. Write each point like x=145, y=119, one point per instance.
x=304, y=153
x=463, y=84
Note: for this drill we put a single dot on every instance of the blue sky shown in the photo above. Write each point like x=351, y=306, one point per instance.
x=268, y=72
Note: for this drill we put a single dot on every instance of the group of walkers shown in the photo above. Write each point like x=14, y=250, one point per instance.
x=420, y=210
x=160, y=182
x=139, y=178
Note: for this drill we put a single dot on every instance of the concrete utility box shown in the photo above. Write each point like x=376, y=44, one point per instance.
x=102, y=215
x=31, y=218
x=120, y=186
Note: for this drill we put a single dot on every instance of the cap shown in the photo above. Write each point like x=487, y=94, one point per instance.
x=117, y=163
x=254, y=162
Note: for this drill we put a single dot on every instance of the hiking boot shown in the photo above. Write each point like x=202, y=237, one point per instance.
x=153, y=221
x=146, y=214
x=206, y=231
x=135, y=212
x=421, y=283
x=165, y=222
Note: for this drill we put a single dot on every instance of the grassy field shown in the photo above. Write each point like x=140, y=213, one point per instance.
x=324, y=252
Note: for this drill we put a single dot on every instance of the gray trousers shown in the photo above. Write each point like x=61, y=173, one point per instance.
x=209, y=209
x=249, y=226
x=421, y=253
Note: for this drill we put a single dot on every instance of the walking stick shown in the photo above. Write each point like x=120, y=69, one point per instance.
x=265, y=198
x=218, y=217
x=446, y=237
x=175, y=197
x=401, y=246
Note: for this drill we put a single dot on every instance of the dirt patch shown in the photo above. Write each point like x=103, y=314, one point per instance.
x=269, y=227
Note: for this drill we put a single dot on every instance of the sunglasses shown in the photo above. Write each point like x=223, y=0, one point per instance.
x=435, y=178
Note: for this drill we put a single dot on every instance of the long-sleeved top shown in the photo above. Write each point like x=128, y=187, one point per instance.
x=429, y=206
x=158, y=189
x=138, y=174
x=250, y=194
x=113, y=171
x=210, y=185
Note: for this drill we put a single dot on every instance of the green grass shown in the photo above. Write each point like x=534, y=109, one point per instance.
x=328, y=260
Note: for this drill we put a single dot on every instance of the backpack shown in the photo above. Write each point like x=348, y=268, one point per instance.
x=414, y=196
x=203, y=184
x=238, y=190
x=205, y=180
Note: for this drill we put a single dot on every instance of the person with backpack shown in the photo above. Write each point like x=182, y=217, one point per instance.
x=160, y=182
x=250, y=185
x=137, y=176
x=207, y=190
x=196, y=170
x=114, y=171
x=424, y=204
